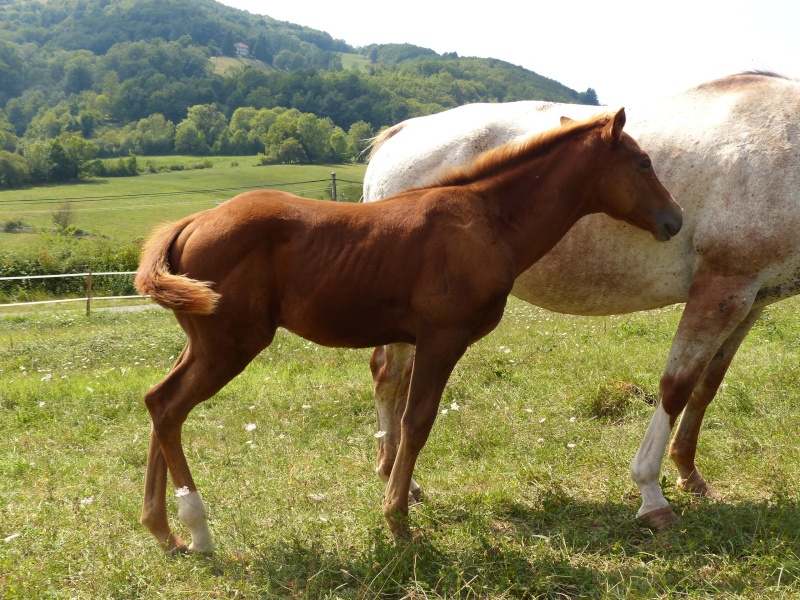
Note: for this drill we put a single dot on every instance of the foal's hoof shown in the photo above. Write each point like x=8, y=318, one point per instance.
x=416, y=496
x=695, y=485
x=175, y=545
x=659, y=519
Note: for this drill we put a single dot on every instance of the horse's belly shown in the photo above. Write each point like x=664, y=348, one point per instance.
x=605, y=267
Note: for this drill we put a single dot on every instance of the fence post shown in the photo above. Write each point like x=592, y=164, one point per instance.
x=88, y=293
x=333, y=187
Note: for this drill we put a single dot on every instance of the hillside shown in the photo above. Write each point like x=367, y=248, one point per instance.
x=125, y=75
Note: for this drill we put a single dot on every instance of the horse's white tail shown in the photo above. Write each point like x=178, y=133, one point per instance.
x=176, y=292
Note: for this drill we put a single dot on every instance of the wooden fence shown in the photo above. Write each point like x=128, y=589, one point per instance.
x=88, y=298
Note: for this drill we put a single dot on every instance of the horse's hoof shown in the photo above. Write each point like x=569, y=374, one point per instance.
x=696, y=486
x=659, y=519
x=416, y=496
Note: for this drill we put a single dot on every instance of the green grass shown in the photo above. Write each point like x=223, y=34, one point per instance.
x=127, y=208
x=513, y=511
x=354, y=61
x=226, y=65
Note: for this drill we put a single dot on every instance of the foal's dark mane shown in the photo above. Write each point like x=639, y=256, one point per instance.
x=513, y=153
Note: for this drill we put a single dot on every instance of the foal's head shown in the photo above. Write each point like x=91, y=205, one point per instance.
x=627, y=187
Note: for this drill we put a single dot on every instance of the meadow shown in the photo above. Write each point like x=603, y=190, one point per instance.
x=126, y=208
x=112, y=216
x=526, y=470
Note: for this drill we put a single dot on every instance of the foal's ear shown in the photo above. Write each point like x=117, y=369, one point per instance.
x=565, y=120
x=613, y=130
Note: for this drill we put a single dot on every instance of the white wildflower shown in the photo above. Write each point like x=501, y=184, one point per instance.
x=184, y=491
x=317, y=497
x=90, y=390
x=87, y=501
x=528, y=410
x=306, y=406
x=543, y=419
x=47, y=377
x=41, y=403
x=540, y=440
x=12, y=537
x=570, y=445
x=454, y=406
x=444, y=411
x=380, y=434
x=572, y=419
x=250, y=427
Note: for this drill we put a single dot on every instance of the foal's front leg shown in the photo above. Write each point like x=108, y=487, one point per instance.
x=436, y=356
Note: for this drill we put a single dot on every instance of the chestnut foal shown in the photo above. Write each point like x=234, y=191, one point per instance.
x=431, y=267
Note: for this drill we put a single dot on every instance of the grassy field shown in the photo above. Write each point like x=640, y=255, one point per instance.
x=126, y=208
x=355, y=61
x=526, y=472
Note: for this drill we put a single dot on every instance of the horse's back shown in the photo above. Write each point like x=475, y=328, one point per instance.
x=728, y=151
x=425, y=146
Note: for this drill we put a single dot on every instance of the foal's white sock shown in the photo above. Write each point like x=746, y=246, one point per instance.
x=192, y=513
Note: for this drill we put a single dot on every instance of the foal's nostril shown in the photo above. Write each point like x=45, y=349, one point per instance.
x=674, y=226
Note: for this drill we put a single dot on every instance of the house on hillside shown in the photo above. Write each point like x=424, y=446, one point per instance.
x=242, y=49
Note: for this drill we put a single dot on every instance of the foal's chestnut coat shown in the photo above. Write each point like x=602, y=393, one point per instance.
x=432, y=267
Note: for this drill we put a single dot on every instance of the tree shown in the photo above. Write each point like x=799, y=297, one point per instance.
x=13, y=169
x=589, y=97
x=154, y=135
x=38, y=156
x=190, y=140
x=79, y=75
x=289, y=61
x=62, y=167
x=11, y=72
x=289, y=152
x=315, y=136
x=359, y=136
x=340, y=149
x=8, y=137
x=208, y=120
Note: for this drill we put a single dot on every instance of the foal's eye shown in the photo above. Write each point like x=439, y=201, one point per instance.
x=645, y=165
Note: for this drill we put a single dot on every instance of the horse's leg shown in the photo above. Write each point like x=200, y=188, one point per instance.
x=716, y=306
x=154, y=505
x=435, y=358
x=683, y=448
x=200, y=372
x=391, y=371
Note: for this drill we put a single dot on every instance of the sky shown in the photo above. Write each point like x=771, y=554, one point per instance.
x=630, y=52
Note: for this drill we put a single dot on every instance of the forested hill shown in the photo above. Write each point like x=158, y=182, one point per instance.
x=98, y=68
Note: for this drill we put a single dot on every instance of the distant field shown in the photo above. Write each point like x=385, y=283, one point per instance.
x=357, y=61
x=126, y=208
x=224, y=65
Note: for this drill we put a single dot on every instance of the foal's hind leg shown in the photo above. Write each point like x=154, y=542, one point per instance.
x=716, y=307
x=201, y=371
x=683, y=448
x=391, y=371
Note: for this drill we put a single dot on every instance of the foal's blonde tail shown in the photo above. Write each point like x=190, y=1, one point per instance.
x=177, y=292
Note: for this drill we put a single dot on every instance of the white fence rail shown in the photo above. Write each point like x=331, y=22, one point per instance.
x=89, y=275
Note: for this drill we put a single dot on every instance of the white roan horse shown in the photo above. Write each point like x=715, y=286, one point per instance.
x=729, y=152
